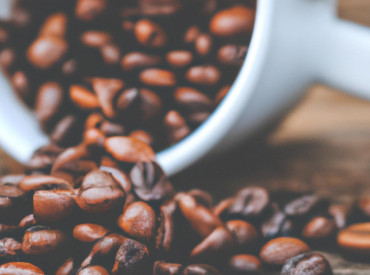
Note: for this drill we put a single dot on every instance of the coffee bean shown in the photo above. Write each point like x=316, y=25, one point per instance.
x=70, y=68
x=200, y=269
x=279, y=250
x=143, y=136
x=66, y=131
x=9, y=248
x=45, y=51
x=202, y=197
x=4, y=36
x=245, y=234
x=162, y=7
x=192, y=99
x=150, y=183
x=54, y=25
x=138, y=220
x=93, y=270
x=355, y=238
x=66, y=268
x=89, y=232
x=88, y=10
x=203, y=75
x=232, y=55
x=130, y=258
x=7, y=58
x=40, y=240
x=237, y=20
x=43, y=182
x=48, y=101
x=244, y=264
x=83, y=97
x=20, y=268
x=150, y=34
x=120, y=176
x=138, y=60
x=95, y=38
x=222, y=206
x=179, y=58
x=158, y=77
x=128, y=149
x=303, y=205
x=163, y=268
x=43, y=158
x=176, y=127
x=27, y=221
x=340, y=214
x=191, y=34
x=21, y=85
x=308, y=263
x=203, y=44
x=166, y=229
x=277, y=225
x=111, y=54
x=319, y=228
x=363, y=205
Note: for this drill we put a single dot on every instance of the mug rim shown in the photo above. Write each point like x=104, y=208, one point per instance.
x=200, y=142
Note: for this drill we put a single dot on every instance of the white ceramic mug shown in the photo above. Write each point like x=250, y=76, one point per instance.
x=294, y=43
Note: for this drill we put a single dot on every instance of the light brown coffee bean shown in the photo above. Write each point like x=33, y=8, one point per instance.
x=20, y=268
x=245, y=234
x=203, y=44
x=138, y=60
x=111, y=53
x=191, y=34
x=200, y=269
x=27, y=221
x=232, y=55
x=192, y=99
x=158, y=77
x=150, y=34
x=45, y=51
x=66, y=268
x=178, y=58
x=54, y=25
x=319, y=228
x=88, y=232
x=175, y=126
x=237, y=20
x=143, y=136
x=83, y=97
x=203, y=75
x=355, y=238
x=43, y=182
x=95, y=39
x=245, y=264
x=39, y=241
x=48, y=101
x=88, y=10
x=279, y=250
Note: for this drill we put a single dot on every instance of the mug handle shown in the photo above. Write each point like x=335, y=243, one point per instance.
x=343, y=54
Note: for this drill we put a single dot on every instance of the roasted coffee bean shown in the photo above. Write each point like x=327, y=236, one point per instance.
x=66, y=268
x=176, y=127
x=201, y=219
x=54, y=25
x=43, y=158
x=222, y=206
x=83, y=97
x=319, y=228
x=340, y=214
x=203, y=75
x=27, y=221
x=88, y=10
x=138, y=220
x=70, y=68
x=40, y=240
x=179, y=58
x=45, y=51
x=200, y=269
x=21, y=85
x=234, y=21
x=128, y=149
x=130, y=258
x=158, y=77
x=277, y=225
x=244, y=264
x=304, y=205
x=202, y=197
x=164, y=268
x=191, y=34
x=150, y=34
x=10, y=193
x=64, y=132
x=355, y=238
x=111, y=54
x=232, y=55
x=192, y=100
x=143, y=136
x=50, y=206
x=9, y=248
x=203, y=44
x=250, y=202
x=4, y=36
x=138, y=60
x=89, y=232
x=198, y=118
x=363, y=205
x=166, y=230
x=308, y=263
x=95, y=38
x=157, y=8
x=279, y=250
x=245, y=234
x=215, y=246
x=20, y=268
x=43, y=182
x=7, y=58
x=48, y=101
x=93, y=270
x=150, y=183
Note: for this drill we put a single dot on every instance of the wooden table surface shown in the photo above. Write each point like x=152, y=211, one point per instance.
x=323, y=145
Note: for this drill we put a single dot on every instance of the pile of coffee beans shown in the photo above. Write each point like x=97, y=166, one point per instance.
x=151, y=69
x=108, y=208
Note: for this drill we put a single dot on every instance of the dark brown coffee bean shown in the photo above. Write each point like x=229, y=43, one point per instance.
x=244, y=264
x=340, y=214
x=20, y=268
x=66, y=131
x=277, y=225
x=120, y=176
x=111, y=54
x=279, y=250
x=106, y=246
x=128, y=149
x=215, y=246
x=201, y=219
x=88, y=10
x=202, y=197
x=250, y=202
x=175, y=126
x=231, y=22
x=45, y=51
x=137, y=60
x=95, y=39
x=245, y=234
x=150, y=183
x=51, y=206
x=203, y=44
x=355, y=238
x=99, y=192
x=158, y=77
x=10, y=193
x=319, y=228
x=89, y=232
x=166, y=229
x=179, y=58
x=43, y=182
x=150, y=34
x=66, y=268
x=164, y=268
x=40, y=240
x=143, y=136
x=232, y=55
x=200, y=269
x=203, y=75
x=83, y=97
x=192, y=99
x=93, y=270
x=27, y=221
x=130, y=258
x=9, y=248
x=49, y=100
x=43, y=158
x=138, y=220
x=191, y=34
x=308, y=264
x=54, y=25
x=303, y=205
